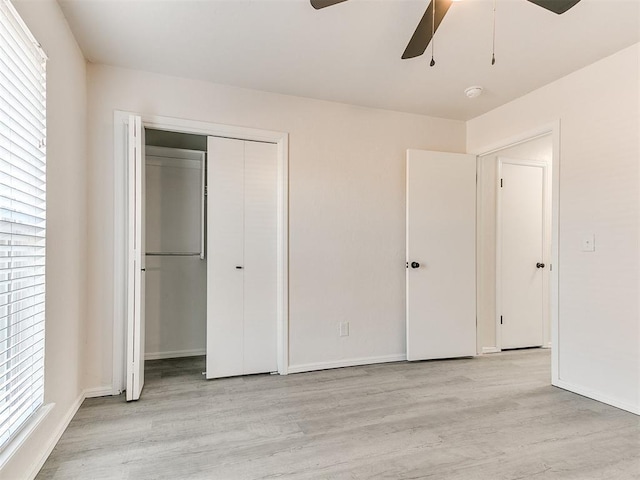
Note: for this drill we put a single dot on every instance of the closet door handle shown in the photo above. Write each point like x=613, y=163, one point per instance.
x=238, y=267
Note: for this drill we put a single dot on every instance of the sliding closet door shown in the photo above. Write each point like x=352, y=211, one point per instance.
x=241, y=268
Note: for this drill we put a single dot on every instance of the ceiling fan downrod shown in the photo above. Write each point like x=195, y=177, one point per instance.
x=493, y=53
x=433, y=31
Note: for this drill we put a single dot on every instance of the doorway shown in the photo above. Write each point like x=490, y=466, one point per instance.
x=188, y=249
x=525, y=289
x=176, y=276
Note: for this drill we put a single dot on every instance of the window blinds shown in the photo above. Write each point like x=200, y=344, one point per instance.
x=22, y=223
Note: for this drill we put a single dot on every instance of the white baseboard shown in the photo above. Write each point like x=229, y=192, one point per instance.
x=175, y=354
x=310, y=367
x=486, y=350
x=105, y=391
x=586, y=392
x=55, y=436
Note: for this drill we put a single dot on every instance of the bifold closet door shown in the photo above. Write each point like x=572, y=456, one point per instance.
x=136, y=259
x=241, y=248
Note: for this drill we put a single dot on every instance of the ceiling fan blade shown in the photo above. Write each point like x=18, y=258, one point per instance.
x=422, y=36
x=318, y=4
x=555, y=6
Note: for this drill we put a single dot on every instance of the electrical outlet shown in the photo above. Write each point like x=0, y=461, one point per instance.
x=343, y=329
x=589, y=243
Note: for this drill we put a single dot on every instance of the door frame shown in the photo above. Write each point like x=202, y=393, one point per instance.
x=553, y=129
x=120, y=288
x=545, y=253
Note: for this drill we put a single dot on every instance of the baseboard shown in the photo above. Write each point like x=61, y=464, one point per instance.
x=55, y=437
x=105, y=391
x=175, y=354
x=486, y=350
x=353, y=362
x=586, y=392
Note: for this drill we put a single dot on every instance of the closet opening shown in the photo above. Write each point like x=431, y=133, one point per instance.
x=201, y=250
x=176, y=260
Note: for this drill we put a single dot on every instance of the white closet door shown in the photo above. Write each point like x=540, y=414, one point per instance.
x=136, y=261
x=225, y=264
x=441, y=245
x=242, y=257
x=522, y=268
x=260, y=267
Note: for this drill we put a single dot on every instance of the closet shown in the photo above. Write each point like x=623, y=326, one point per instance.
x=203, y=252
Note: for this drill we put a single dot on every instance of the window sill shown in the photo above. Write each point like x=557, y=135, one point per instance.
x=25, y=432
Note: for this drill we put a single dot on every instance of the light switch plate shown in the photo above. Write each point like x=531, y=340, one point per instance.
x=589, y=243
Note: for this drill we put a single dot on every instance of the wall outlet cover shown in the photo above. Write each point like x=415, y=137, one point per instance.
x=589, y=243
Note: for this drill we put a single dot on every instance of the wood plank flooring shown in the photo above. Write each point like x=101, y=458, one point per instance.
x=493, y=417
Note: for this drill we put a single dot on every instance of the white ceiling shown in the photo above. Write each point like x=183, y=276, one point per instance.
x=351, y=52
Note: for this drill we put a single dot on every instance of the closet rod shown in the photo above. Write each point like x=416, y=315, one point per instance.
x=173, y=254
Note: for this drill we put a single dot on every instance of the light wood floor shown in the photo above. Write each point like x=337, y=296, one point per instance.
x=494, y=417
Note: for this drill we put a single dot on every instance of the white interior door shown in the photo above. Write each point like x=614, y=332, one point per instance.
x=521, y=264
x=242, y=255
x=136, y=263
x=441, y=249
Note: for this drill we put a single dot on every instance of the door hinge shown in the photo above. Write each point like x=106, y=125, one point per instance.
x=206, y=191
x=500, y=319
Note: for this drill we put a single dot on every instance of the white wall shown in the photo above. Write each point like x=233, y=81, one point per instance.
x=346, y=207
x=599, y=321
x=540, y=150
x=66, y=230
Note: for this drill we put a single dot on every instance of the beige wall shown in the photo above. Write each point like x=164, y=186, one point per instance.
x=599, y=321
x=346, y=201
x=540, y=150
x=66, y=229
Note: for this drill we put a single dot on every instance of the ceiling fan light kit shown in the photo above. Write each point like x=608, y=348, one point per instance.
x=434, y=14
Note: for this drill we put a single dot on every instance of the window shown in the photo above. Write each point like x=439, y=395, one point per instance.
x=22, y=223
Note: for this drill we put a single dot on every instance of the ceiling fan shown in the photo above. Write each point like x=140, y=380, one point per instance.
x=430, y=22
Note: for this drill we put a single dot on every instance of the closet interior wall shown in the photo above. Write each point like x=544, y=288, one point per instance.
x=176, y=273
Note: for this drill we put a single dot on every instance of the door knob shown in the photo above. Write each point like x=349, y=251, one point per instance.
x=539, y=265
x=415, y=265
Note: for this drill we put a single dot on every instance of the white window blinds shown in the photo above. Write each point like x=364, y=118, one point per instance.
x=22, y=223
